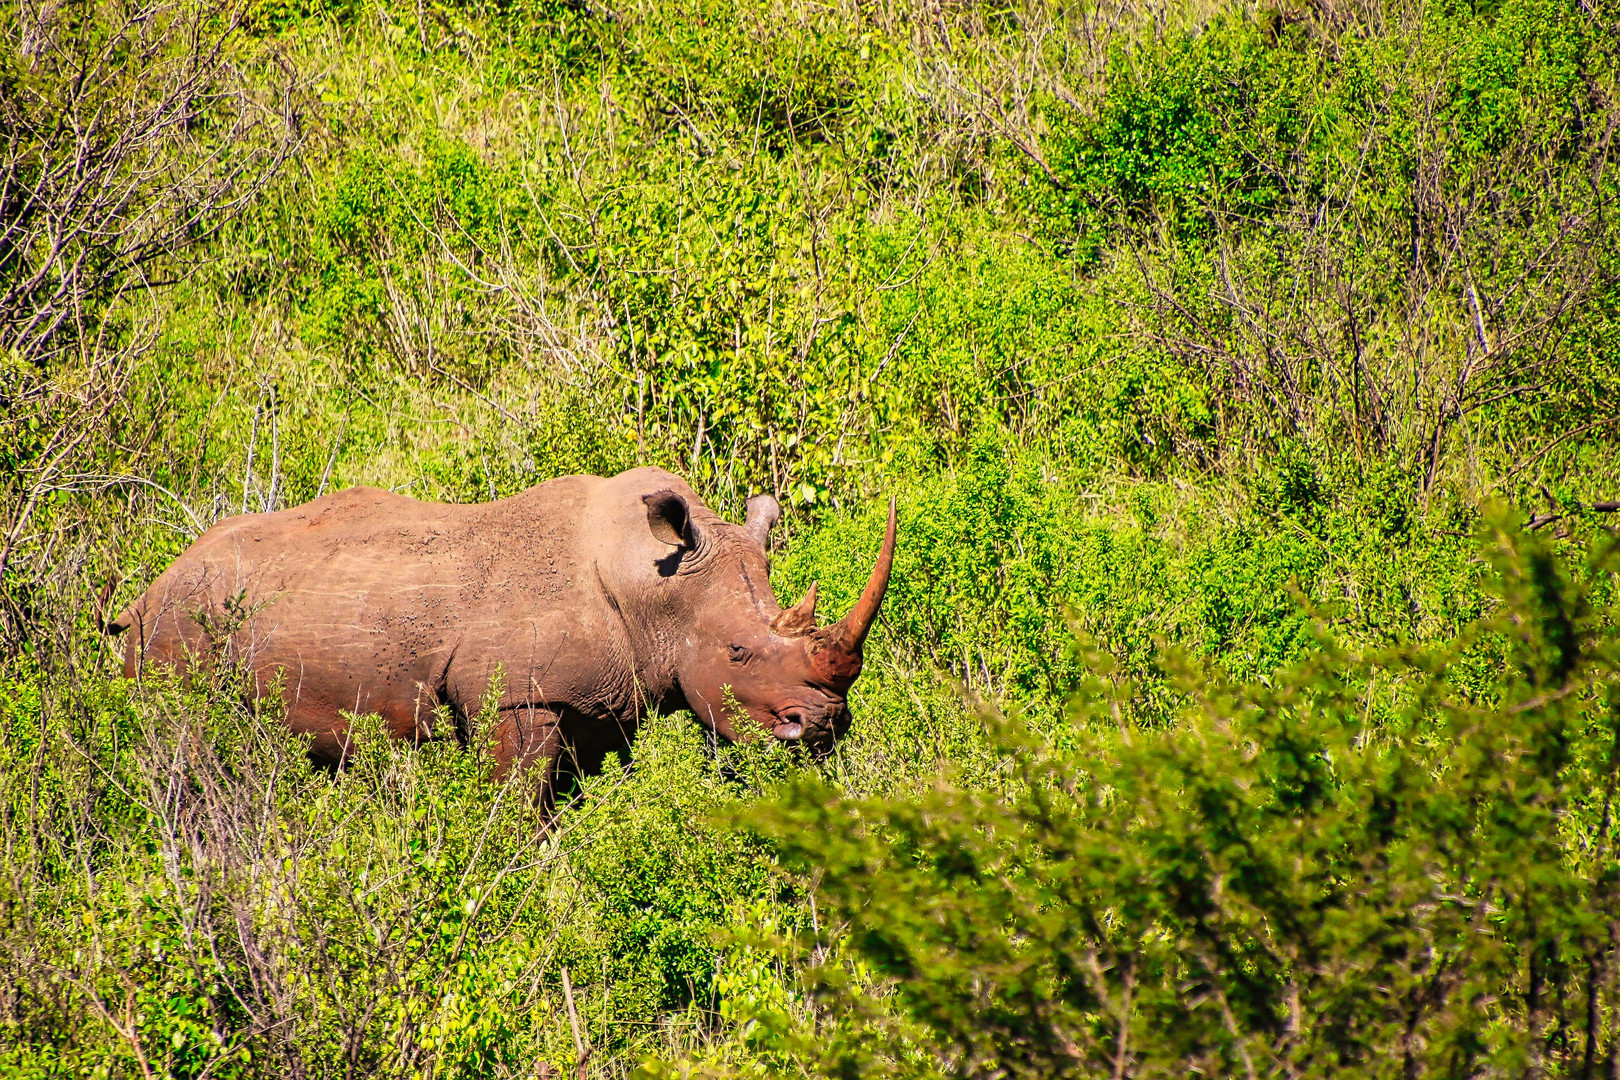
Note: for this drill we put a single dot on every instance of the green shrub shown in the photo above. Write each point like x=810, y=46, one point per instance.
x=1361, y=863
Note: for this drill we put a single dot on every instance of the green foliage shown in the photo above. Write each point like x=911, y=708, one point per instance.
x=1188, y=127
x=232, y=912
x=1358, y=863
x=665, y=879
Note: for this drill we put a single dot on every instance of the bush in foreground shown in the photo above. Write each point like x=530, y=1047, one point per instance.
x=1395, y=864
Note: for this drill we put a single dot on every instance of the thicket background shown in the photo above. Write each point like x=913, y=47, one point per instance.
x=1223, y=717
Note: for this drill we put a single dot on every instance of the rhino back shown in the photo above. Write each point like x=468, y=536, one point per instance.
x=369, y=601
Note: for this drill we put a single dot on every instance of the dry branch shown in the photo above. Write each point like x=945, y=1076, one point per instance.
x=123, y=153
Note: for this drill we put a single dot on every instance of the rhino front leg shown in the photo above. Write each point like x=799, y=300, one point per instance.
x=528, y=743
x=554, y=746
x=526, y=738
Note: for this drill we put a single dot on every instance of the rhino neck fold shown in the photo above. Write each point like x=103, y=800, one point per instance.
x=653, y=685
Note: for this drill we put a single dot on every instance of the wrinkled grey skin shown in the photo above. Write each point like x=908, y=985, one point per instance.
x=596, y=599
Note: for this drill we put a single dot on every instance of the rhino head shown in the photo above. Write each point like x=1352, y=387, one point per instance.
x=740, y=648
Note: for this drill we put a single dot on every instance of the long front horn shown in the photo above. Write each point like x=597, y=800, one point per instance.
x=844, y=638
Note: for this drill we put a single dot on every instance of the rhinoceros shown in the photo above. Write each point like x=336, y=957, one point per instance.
x=597, y=599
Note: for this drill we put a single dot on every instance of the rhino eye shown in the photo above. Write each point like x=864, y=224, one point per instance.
x=739, y=653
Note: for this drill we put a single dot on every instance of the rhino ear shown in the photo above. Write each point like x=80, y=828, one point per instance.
x=763, y=512
x=668, y=519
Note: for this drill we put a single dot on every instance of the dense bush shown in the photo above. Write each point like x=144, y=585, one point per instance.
x=1391, y=863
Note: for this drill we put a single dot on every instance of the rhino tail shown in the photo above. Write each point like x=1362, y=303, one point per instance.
x=125, y=620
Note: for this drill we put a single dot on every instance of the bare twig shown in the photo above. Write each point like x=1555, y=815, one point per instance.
x=582, y=1049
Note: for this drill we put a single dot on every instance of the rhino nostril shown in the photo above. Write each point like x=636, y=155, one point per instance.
x=790, y=724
